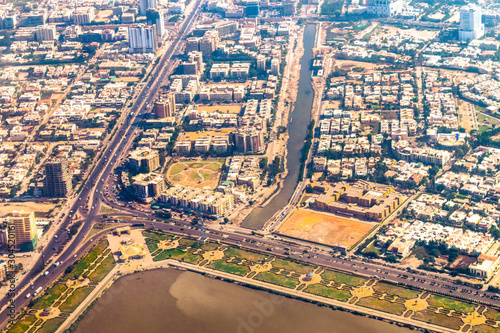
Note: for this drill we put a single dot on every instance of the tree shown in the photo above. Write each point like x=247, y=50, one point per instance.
x=226, y=220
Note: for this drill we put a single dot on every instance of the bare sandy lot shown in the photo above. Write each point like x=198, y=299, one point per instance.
x=220, y=108
x=39, y=208
x=324, y=228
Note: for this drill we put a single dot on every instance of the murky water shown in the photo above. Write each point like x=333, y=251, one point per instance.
x=301, y=116
x=171, y=301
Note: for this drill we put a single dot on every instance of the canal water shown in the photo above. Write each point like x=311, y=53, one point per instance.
x=167, y=300
x=297, y=130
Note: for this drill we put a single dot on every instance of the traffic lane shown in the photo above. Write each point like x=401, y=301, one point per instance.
x=44, y=280
x=389, y=274
x=66, y=221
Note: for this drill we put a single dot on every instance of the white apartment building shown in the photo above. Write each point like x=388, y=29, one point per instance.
x=46, y=32
x=144, y=5
x=470, y=23
x=142, y=39
x=385, y=8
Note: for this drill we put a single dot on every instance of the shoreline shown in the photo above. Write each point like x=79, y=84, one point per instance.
x=80, y=313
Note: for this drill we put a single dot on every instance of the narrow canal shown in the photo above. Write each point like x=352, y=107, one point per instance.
x=301, y=116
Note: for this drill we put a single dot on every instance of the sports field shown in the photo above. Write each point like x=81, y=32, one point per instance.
x=196, y=174
x=324, y=228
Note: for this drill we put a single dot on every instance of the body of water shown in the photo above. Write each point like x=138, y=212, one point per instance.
x=297, y=131
x=172, y=301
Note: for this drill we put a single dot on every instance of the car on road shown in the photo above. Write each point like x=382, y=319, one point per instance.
x=46, y=273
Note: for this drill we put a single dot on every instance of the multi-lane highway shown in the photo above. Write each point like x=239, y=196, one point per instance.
x=93, y=187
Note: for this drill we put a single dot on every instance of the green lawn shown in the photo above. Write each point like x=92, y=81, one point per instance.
x=382, y=305
x=486, y=122
x=485, y=329
x=176, y=168
x=242, y=254
x=209, y=246
x=159, y=236
x=104, y=268
x=227, y=267
x=51, y=296
x=22, y=325
x=279, y=280
x=392, y=290
x=348, y=279
x=289, y=265
x=188, y=242
x=75, y=299
x=51, y=325
x=492, y=314
x=85, y=262
x=339, y=295
x=438, y=319
x=449, y=303
x=178, y=255
x=152, y=245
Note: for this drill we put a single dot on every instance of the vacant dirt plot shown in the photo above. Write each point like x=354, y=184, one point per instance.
x=127, y=79
x=39, y=208
x=220, y=108
x=196, y=174
x=324, y=228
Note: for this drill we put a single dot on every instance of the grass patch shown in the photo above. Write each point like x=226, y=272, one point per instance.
x=449, y=303
x=390, y=289
x=492, y=314
x=320, y=290
x=188, y=242
x=178, y=255
x=22, y=324
x=104, y=268
x=159, y=236
x=288, y=265
x=438, y=319
x=108, y=210
x=152, y=245
x=242, y=254
x=227, y=267
x=51, y=325
x=75, y=299
x=210, y=246
x=484, y=329
x=52, y=294
x=348, y=279
x=85, y=262
x=279, y=280
x=372, y=248
x=382, y=305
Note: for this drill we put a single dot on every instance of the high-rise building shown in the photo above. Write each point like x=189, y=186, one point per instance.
x=384, y=8
x=24, y=228
x=252, y=8
x=470, y=23
x=144, y=159
x=209, y=42
x=249, y=140
x=156, y=17
x=57, y=182
x=144, y=5
x=165, y=106
x=46, y=32
x=192, y=44
x=142, y=39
